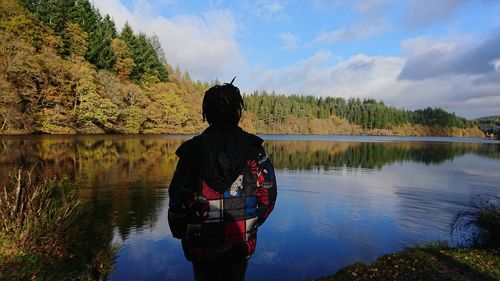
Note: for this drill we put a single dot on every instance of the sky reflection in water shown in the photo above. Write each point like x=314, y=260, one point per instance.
x=338, y=202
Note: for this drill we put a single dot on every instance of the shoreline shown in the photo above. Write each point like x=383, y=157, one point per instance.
x=271, y=137
x=406, y=130
x=257, y=133
x=431, y=261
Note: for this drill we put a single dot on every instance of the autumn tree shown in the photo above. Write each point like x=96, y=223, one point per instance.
x=75, y=40
x=92, y=109
x=124, y=64
x=167, y=112
x=10, y=113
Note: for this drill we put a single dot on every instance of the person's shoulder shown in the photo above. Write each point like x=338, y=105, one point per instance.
x=254, y=139
x=189, y=147
x=257, y=148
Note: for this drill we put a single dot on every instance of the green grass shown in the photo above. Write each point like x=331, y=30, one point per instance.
x=36, y=266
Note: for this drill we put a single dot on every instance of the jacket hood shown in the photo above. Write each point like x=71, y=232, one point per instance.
x=221, y=153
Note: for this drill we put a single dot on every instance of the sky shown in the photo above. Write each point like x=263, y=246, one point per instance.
x=410, y=54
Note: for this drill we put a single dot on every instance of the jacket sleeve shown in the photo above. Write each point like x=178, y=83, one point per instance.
x=266, y=187
x=181, y=195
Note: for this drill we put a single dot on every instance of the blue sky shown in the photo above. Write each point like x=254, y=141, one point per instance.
x=412, y=54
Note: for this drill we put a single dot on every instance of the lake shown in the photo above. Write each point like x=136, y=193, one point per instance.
x=341, y=199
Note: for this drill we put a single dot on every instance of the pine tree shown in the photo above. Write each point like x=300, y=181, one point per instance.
x=86, y=15
x=144, y=55
x=100, y=52
x=160, y=53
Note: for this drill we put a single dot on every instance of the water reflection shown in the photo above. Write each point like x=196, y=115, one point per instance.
x=122, y=182
x=310, y=155
x=339, y=202
x=108, y=160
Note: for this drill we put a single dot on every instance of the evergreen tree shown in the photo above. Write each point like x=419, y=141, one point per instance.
x=160, y=53
x=54, y=13
x=145, y=56
x=86, y=15
x=100, y=51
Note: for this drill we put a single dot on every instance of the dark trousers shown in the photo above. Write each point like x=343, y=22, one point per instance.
x=232, y=270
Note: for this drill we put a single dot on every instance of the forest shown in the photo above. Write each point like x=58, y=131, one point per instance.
x=368, y=113
x=67, y=69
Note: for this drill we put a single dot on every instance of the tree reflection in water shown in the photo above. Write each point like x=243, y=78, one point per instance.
x=327, y=155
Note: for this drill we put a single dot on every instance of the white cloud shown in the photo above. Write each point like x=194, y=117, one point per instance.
x=373, y=22
x=116, y=10
x=290, y=40
x=359, y=76
x=454, y=73
x=496, y=65
x=377, y=77
x=417, y=45
x=359, y=31
x=426, y=12
x=440, y=59
x=370, y=5
x=273, y=7
x=363, y=6
x=204, y=45
x=267, y=9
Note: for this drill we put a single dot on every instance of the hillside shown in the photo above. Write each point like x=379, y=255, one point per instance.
x=66, y=69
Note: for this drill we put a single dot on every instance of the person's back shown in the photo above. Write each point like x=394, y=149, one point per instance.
x=224, y=187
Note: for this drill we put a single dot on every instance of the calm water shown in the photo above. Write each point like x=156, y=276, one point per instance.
x=340, y=199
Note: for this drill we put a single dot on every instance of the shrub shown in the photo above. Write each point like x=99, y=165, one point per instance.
x=34, y=215
x=45, y=235
x=482, y=221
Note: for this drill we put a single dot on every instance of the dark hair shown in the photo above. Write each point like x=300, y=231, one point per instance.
x=222, y=105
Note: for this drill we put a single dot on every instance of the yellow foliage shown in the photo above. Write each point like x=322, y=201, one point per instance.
x=76, y=39
x=166, y=113
x=134, y=118
x=17, y=23
x=93, y=109
x=124, y=63
x=51, y=121
x=421, y=130
x=248, y=121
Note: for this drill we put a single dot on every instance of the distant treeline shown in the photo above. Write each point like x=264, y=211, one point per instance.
x=368, y=113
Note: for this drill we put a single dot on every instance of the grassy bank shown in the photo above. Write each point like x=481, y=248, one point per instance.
x=43, y=233
x=428, y=262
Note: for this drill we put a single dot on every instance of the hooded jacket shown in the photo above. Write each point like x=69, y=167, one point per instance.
x=223, y=188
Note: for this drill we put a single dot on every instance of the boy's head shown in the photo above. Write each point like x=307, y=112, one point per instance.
x=222, y=105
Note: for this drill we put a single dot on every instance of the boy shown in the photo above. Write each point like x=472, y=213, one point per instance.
x=223, y=189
